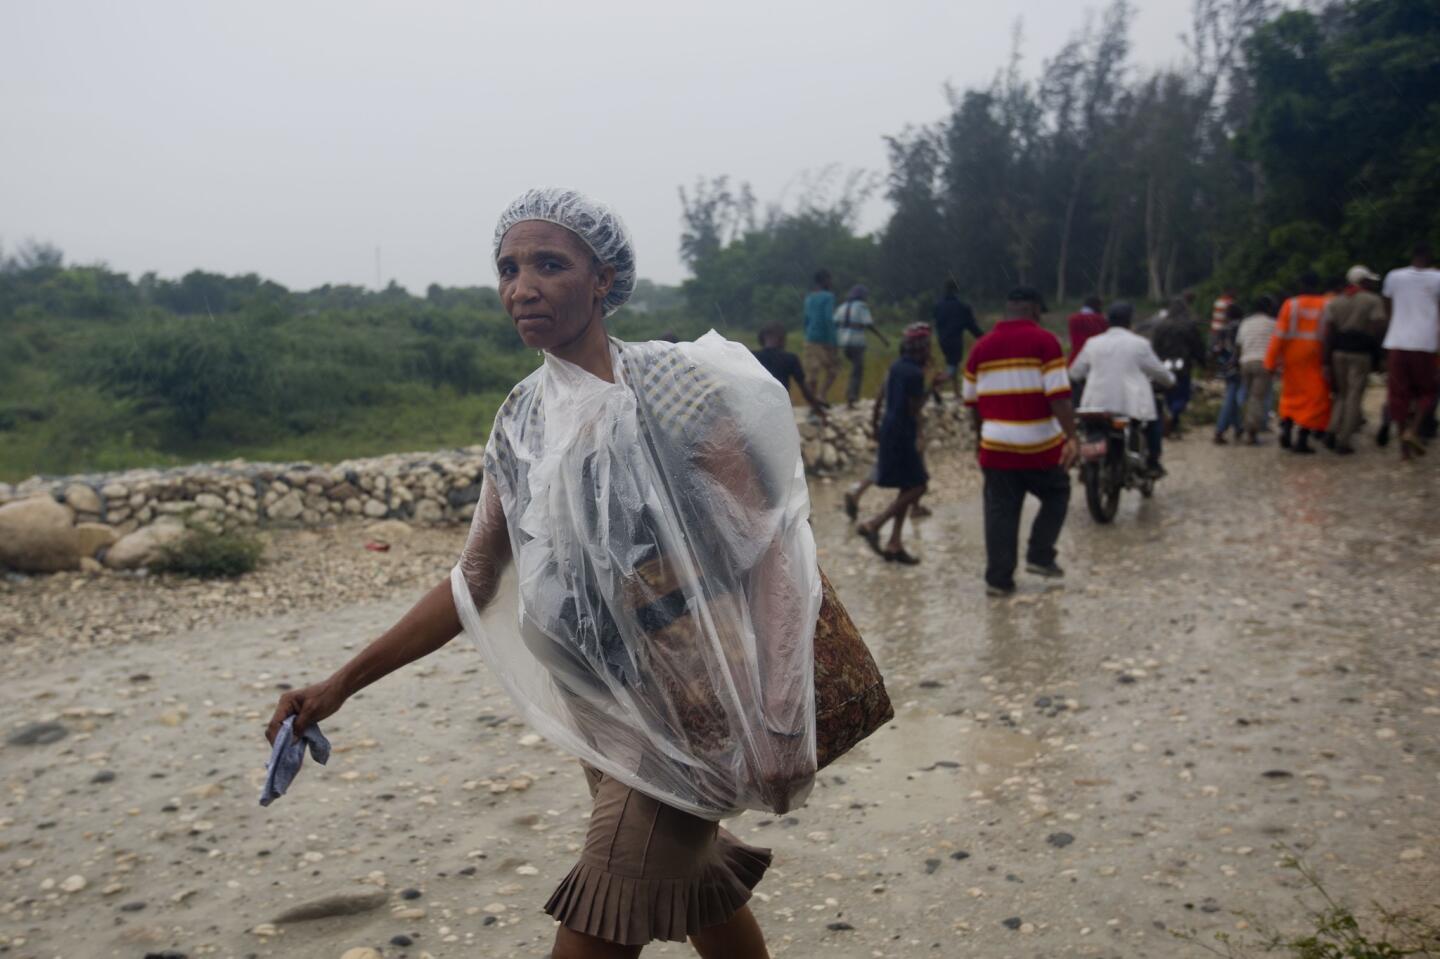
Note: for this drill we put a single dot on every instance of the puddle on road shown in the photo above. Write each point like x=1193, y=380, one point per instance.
x=925, y=765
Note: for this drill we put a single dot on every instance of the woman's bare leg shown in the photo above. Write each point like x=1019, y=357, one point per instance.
x=738, y=937
x=903, y=502
x=570, y=944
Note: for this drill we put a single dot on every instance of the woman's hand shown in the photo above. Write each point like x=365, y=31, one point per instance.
x=308, y=706
x=430, y=624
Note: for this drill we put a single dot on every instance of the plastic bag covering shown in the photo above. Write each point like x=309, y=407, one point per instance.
x=657, y=620
x=592, y=221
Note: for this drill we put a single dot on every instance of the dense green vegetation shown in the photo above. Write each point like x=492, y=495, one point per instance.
x=99, y=372
x=1285, y=141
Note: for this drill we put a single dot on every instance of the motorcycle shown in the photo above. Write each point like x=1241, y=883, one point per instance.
x=1112, y=459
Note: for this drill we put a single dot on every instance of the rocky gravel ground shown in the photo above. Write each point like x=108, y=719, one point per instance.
x=1241, y=668
x=48, y=617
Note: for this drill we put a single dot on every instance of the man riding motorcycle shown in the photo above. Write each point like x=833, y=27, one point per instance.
x=1118, y=368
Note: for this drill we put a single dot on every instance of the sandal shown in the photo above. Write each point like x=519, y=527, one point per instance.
x=1415, y=447
x=901, y=557
x=872, y=536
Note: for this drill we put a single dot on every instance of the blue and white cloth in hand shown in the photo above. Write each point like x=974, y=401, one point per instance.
x=286, y=756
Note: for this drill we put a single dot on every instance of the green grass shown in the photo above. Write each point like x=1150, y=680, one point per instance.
x=89, y=432
x=56, y=420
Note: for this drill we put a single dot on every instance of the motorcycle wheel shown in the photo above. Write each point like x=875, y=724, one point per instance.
x=1102, y=495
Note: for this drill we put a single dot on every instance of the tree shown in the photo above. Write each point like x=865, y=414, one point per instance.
x=190, y=366
x=913, y=249
x=714, y=216
x=33, y=255
x=1080, y=91
x=760, y=274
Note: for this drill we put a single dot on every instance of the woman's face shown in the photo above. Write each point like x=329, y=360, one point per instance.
x=550, y=284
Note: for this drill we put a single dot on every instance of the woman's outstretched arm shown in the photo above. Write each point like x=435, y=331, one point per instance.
x=429, y=624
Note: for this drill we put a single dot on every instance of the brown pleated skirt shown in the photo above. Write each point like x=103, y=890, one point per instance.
x=649, y=871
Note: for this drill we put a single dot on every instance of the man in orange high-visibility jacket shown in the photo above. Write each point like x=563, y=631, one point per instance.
x=1297, y=349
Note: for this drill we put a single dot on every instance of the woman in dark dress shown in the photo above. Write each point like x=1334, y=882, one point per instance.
x=900, y=464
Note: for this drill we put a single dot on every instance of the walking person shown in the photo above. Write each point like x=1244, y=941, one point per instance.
x=953, y=319
x=1019, y=395
x=850, y=502
x=651, y=500
x=900, y=463
x=1177, y=339
x=853, y=323
x=1252, y=341
x=822, y=359
x=785, y=366
x=1354, y=324
x=1297, y=351
x=1413, y=340
x=1223, y=349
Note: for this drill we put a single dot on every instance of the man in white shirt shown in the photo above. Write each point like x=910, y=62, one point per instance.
x=1413, y=341
x=1251, y=342
x=1118, y=367
x=852, y=322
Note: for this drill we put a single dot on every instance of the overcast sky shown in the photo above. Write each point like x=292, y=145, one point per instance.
x=292, y=139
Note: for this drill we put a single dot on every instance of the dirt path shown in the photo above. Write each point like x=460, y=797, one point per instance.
x=1245, y=661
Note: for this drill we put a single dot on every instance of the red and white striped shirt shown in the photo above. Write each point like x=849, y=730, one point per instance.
x=1011, y=375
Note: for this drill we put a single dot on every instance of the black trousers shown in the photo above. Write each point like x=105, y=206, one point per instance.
x=1004, y=495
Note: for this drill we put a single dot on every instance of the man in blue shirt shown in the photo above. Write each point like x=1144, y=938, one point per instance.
x=822, y=351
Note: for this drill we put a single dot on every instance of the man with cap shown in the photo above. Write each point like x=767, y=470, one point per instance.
x=1019, y=395
x=1354, y=323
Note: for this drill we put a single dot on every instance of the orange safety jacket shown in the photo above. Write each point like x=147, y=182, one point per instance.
x=1297, y=349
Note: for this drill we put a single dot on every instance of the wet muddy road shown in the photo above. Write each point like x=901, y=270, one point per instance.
x=1246, y=662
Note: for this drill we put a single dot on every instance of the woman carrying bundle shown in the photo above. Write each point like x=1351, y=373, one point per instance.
x=641, y=577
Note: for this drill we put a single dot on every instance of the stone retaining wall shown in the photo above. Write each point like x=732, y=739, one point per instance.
x=424, y=487
x=417, y=487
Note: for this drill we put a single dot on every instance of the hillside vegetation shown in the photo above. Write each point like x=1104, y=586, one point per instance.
x=98, y=372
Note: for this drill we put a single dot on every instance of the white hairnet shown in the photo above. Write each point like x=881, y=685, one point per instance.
x=596, y=224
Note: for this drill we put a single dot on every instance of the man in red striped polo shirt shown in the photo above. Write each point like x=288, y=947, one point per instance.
x=1019, y=394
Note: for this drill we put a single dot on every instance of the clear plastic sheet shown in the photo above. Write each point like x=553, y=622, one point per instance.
x=658, y=618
